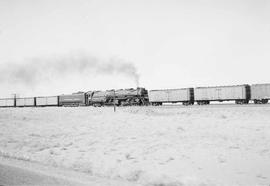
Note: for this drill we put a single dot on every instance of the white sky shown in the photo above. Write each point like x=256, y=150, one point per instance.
x=173, y=44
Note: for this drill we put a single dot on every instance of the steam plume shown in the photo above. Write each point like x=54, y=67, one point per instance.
x=34, y=70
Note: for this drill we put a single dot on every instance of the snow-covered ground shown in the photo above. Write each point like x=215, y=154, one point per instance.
x=168, y=145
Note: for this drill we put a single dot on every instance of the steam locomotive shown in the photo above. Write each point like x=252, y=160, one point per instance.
x=241, y=94
x=121, y=97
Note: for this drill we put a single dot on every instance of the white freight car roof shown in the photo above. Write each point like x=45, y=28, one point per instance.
x=223, y=86
x=169, y=89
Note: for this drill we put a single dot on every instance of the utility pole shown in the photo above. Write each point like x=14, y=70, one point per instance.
x=114, y=108
x=14, y=97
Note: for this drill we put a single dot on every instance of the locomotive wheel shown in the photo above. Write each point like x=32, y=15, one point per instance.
x=186, y=103
x=200, y=102
x=243, y=102
x=238, y=102
x=264, y=101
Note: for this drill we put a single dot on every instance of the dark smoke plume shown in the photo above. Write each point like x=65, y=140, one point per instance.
x=33, y=71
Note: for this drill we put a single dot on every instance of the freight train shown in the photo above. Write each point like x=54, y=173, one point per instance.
x=241, y=94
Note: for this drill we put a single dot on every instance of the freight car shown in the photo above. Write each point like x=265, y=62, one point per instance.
x=25, y=102
x=260, y=93
x=184, y=95
x=121, y=97
x=47, y=101
x=238, y=93
x=7, y=102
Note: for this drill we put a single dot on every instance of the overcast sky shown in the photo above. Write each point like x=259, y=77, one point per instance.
x=172, y=44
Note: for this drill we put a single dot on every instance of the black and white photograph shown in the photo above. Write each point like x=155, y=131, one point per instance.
x=134, y=93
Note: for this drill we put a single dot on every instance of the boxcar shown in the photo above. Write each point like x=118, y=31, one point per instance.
x=238, y=93
x=26, y=102
x=47, y=101
x=260, y=93
x=7, y=102
x=185, y=95
x=79, y=99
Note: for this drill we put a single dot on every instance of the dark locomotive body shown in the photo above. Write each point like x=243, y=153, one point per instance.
x=121, y=97
x=75, y=99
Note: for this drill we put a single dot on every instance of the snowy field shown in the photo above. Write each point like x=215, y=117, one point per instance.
x=151, y=146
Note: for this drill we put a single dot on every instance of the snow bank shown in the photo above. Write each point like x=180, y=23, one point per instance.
x=153, y=146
